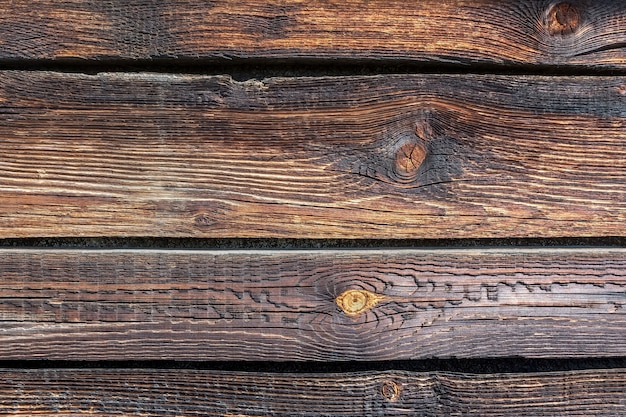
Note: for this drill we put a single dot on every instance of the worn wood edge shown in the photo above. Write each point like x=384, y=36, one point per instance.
x=575, y=33
x=433, y=157
x=312, y=305
x=188, y=392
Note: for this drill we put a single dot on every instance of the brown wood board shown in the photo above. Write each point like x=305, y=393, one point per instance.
x=312, y=305
x=100, y=392
x=424, y=156
x=589, y=34
x=123, y=157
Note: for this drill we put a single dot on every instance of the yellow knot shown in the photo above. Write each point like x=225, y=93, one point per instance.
x=353, y=302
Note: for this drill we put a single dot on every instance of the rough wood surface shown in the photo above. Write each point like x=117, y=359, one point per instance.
x=312, y=305
x=523, y=32
x=355, y=157
x=393, y=393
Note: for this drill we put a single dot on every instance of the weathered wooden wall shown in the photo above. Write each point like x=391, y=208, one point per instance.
x=439, y=121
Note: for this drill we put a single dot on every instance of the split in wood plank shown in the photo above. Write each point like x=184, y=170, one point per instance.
x=312, y=305
x=338, y=157
x=523, y=32
x=392, y=393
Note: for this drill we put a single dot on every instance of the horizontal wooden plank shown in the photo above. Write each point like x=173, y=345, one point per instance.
x=522, y=32
x=312, y=305
x=354, y=157
x=393, y=393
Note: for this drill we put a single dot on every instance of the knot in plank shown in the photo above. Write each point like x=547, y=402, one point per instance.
x=563, y=19
x=354, y=302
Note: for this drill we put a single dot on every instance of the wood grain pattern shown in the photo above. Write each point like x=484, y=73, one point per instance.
x=339, y=157
x=394, y=393
x=312, y=305
x=523, y=32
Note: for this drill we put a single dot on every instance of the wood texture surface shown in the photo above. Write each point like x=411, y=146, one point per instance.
x=384, y=156
x=312, y=305
x=394, y=393
x=355, y=157
x=523, y=32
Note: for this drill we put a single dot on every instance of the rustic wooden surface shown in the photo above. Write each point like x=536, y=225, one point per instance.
x=312, y=305
x=174, y=155
x=589, y=34
x=102, y=392
x=425, y=156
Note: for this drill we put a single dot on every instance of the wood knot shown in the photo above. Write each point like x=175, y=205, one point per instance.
x=563, y=19
x=409, y=158
x=390, y=390
x=353, y=302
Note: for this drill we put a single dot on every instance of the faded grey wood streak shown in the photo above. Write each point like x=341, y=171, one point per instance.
x=312, y=305
x=102, y=392
x=523, y=32
x=354, y=157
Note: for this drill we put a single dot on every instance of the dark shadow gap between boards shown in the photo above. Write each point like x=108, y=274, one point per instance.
x=295, y=243
x=475, y=366
x=258, y=68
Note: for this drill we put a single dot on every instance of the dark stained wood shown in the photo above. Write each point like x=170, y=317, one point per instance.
x=355, y=157
x=387, y=156
x=100, y=392
x=522, y=32
x=312, y=305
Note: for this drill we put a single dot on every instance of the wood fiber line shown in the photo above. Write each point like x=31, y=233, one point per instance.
x=339, y=157
x=100, y=392
x=311, y=305
x=524, y=32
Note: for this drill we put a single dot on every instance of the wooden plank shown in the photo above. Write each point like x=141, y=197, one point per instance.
x=340, y=157
x=312, y=305
x=523, y=32
x=103, y=392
